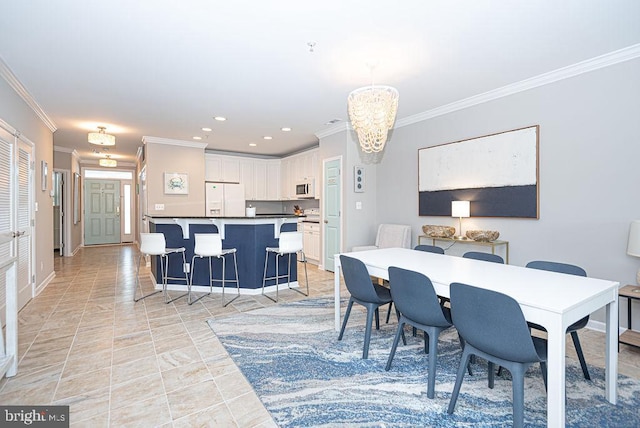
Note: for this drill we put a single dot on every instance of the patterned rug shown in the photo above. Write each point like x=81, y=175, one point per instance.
x=306, y=377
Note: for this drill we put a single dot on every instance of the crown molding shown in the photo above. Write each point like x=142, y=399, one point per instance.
x=333, y=129
x=92, y=162
x=602, y=61
x=16, y=85
x=170, y=142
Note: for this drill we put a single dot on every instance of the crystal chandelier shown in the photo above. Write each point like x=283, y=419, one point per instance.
x=108, y=162
x=101, y=138
x=372, y=111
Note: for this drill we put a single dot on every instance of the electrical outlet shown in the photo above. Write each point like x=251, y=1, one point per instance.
x=159, y=207
x=358, y=205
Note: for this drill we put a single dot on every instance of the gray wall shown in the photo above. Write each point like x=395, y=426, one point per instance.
x=589, y=171
x=19, y=115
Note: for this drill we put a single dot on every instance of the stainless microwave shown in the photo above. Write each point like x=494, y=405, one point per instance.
x=304, y=189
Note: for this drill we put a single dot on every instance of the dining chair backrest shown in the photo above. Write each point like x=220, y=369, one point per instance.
x=290, y=242
x=207, y=244
x=153, y=244
x=415, y=298
x=501, y=332
x=429, y=248
x=487, y=257
x=393, y=235
x=557, y=267
x=357, y=280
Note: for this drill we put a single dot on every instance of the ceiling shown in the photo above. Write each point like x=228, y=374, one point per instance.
x=165, y=68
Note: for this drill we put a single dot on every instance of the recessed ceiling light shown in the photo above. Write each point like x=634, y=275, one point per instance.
x=267, y=137
x=285, y=129
x=253, y=144
x=206, y=129
x=197, y=138
x=220, y=118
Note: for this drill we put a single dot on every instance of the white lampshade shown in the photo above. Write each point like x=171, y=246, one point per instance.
x=633, y=246
x=460, y=209
x=101, y=138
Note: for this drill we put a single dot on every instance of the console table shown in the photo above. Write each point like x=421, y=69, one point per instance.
x=492, y=244
x=630, y=337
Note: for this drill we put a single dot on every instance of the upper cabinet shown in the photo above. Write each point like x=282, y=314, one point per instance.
x=221, y=168
x=264, y=179
x=298, y=168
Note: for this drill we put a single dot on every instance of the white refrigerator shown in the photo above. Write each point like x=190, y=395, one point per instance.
x=224, y=199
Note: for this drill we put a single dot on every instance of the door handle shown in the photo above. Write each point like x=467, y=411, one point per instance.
x=16, y=234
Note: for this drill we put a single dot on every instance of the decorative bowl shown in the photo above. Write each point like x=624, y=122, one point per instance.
x=434, y=231
x=483, y=235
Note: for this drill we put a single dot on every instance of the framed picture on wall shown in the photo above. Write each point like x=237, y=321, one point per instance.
x=176, y=183
x=44, y=173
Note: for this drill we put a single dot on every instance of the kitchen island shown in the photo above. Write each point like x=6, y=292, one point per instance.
x=249, y=235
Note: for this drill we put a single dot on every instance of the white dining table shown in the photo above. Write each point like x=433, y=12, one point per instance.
x=550, y=299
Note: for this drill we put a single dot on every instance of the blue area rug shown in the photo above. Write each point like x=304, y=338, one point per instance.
x=306, y=377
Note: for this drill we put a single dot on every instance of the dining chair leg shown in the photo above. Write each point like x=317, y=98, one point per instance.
x=377, y=315
x=389, y=312
x=583, y=363
x=396, y=339
x=367, y=331
x=433, y=360
x=464, y=363
x=517, y=381
x=346, y=317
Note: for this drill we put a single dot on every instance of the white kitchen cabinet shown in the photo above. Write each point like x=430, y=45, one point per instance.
x=286, y=187
x=260, y=171
x=273, y=180
x=224, y=169
x=248, y=178
x=311, y=241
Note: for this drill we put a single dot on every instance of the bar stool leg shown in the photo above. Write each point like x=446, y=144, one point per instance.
x=166, y=279
x=304, y=260
x=138, y=285
x=235, y=263
x=264, y=276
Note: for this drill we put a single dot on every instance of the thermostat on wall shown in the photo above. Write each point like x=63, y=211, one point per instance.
x=358, y=179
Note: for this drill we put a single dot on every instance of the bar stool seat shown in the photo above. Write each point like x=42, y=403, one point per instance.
x=209, y=245
x=154, y=244
x=289, y=243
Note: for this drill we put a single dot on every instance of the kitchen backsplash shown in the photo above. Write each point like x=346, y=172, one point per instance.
x=285, y=207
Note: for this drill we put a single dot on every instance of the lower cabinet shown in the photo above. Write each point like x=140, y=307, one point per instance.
x=311, y=241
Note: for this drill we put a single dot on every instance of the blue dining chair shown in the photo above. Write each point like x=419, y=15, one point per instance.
x=416, y=299
x=573, y=328
x=493, y=327
x=364, y=292
x=487, y=257
x=429, y=249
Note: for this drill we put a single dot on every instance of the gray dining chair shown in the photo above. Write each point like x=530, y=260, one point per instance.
x=365, y=292
x=487, y=257
x=429, y=248
x=499, y=336
x=416, y=299
x=573, y=328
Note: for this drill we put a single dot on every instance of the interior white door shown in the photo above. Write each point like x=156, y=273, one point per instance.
x=7, y=217
x=332, y=201
x=102, y=212
x=25, y=224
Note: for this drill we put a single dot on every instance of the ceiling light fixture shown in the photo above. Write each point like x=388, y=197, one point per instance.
x=220, y=118
x=206, y=129
x=372, y=111
x=108, y=162
x=267, y=137
x=285, y=129
x=197, y=138
x=101, y=138
x=252, y=144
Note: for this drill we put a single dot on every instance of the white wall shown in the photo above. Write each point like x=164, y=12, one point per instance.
x=589, y=170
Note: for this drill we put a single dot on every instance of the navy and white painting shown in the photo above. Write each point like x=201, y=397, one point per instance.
x=498, y=173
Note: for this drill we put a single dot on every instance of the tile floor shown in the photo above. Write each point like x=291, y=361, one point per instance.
x=83, y=342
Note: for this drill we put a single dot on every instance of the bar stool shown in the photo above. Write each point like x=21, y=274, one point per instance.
x=209, y=245
x=290, y=243
x=154, y=244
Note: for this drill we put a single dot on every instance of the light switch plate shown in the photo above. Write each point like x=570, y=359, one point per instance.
x=358, y=205
x=159, y=207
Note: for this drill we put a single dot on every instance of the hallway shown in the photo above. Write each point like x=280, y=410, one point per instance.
x=83, y=342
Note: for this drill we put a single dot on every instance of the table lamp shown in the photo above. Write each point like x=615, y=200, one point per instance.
x=462, y=209
x=633, y=245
